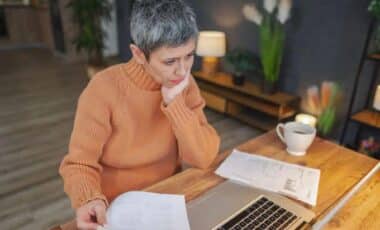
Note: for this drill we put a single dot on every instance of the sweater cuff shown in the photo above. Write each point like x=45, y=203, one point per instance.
x=177, y=112
x=83, y=191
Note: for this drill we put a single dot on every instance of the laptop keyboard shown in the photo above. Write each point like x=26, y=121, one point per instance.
x=261, y=214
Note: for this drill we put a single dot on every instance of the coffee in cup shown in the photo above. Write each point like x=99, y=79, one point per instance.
x=296, y=136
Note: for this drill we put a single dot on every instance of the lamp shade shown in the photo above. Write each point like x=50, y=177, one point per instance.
x=211, y=44
x=376, y=100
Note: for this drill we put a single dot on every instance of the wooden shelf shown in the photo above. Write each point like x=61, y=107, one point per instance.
x=374, y=57
x=367, y=117
x=225, y=80
x=246, y=102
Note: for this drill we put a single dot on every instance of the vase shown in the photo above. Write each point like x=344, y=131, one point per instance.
x=269, y=87
x=238, y=79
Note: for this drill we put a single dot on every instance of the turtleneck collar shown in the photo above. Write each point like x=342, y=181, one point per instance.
x=140, y=77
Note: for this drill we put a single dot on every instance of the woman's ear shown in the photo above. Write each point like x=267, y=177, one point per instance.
x=137, y=54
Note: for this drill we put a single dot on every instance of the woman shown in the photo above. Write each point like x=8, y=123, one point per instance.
x=136, y=122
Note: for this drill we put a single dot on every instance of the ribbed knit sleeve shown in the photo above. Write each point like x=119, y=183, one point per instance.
x=80, y=169
x=197, y=140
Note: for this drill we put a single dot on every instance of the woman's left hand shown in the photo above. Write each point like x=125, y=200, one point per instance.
x=168, y=94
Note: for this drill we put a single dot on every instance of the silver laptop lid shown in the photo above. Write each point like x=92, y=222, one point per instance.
x=229, y=197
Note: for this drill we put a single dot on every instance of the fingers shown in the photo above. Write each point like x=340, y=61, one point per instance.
x=91, y=215
x=86, y=225
x=185, y=82
x=101, y=228
x=100, y=213
x=169, y=94
x=85, y=222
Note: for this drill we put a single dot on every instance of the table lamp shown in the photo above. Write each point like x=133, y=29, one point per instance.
x=211, y=45
x=376, y=100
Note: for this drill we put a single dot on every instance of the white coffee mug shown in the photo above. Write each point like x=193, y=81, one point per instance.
x=297, y=137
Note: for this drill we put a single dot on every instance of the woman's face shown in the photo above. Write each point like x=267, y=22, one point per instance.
x=170, y=65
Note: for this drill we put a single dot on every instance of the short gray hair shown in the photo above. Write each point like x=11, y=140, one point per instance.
x=156, y=23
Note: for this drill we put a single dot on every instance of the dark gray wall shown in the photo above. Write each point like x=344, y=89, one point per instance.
x=324, y=41
x=123, y=9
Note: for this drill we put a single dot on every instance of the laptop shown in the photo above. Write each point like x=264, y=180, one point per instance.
x=232, y=205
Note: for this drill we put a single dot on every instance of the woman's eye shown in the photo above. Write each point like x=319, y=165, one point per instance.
x=190, y=55
x=169, y=62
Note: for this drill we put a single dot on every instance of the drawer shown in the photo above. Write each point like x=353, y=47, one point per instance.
x=215, y=102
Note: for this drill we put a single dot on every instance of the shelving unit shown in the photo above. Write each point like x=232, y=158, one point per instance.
x=365, y=116
x=246, y=103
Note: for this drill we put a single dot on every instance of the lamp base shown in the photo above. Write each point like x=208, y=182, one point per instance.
x=210, y=65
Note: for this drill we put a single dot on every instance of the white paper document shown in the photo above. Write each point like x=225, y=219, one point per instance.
x=261, y=172
x=144, y=210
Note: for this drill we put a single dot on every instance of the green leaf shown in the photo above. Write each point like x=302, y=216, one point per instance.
x=243, y=61
x=271, y=46
x=326, y=120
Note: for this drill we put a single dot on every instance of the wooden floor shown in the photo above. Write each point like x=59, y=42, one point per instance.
x=38, y=94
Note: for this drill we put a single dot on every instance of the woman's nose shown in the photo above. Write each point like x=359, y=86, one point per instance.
x=181, y=69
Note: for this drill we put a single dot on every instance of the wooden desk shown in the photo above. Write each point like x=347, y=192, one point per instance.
x=341, y=169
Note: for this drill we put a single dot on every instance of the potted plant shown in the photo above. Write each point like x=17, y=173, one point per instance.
x=242, y=61
x=88, y=15
x=374, y=8
x=272, y=36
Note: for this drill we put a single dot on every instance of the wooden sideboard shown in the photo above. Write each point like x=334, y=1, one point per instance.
x=246, y=103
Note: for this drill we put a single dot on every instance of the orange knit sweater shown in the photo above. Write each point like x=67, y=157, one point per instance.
x=125, y=139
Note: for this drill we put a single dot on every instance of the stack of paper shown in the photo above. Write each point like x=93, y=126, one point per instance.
x=144, y=210
x=261, y=172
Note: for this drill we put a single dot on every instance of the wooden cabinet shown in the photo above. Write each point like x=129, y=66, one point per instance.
x=246, y=102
